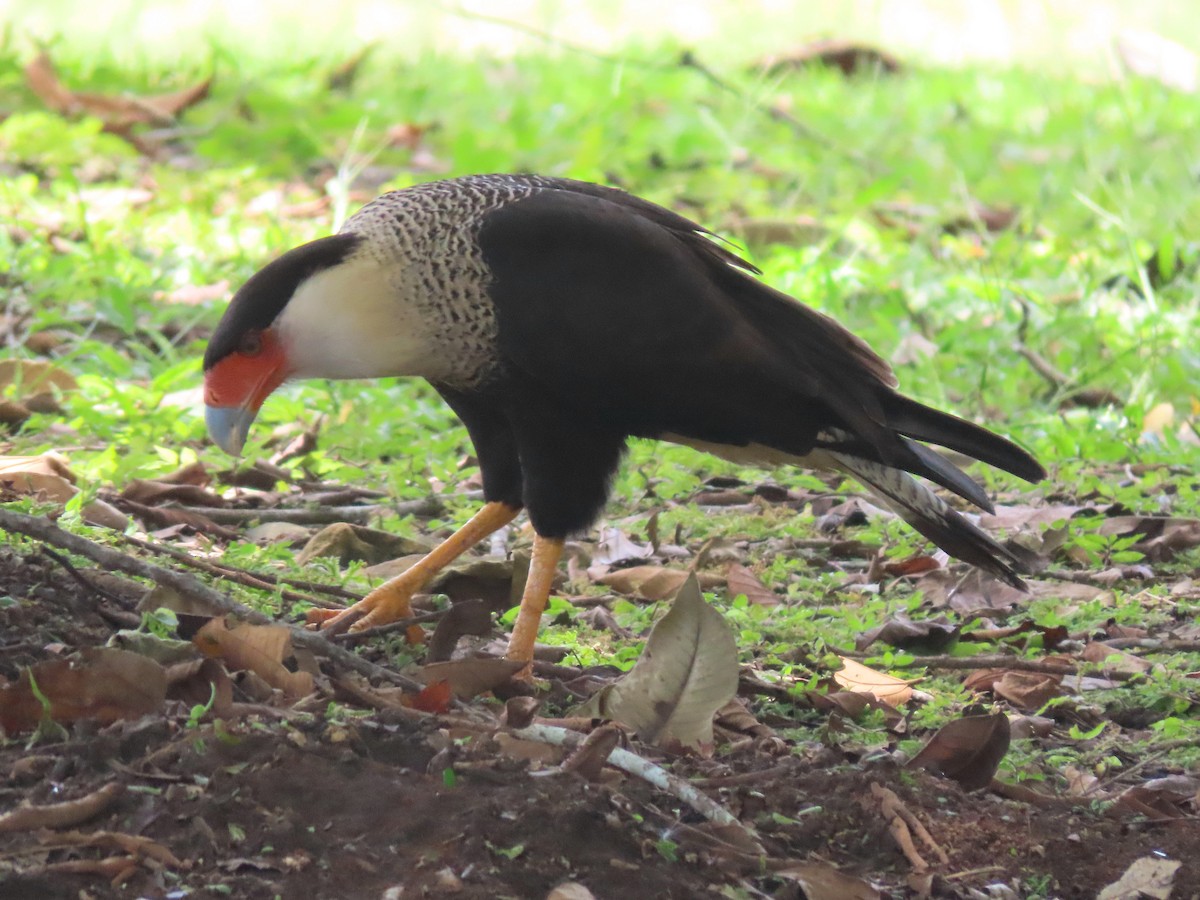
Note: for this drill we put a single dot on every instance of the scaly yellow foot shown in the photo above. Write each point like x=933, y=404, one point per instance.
x=392, y=600
x=542, y=566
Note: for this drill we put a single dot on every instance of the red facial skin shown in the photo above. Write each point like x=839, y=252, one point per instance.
x=245, y=378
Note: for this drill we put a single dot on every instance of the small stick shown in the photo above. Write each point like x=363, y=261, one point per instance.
x=262, y=582
x=319, y=515
x=44, y=530
x=644, y=769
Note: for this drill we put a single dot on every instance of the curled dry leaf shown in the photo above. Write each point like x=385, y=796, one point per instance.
x=256, y=648
x=860, y=679
x=101, y=683
x=968, y=750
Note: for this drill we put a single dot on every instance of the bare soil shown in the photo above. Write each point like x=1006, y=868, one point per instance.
x=293, y=805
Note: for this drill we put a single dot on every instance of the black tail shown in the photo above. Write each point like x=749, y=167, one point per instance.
x=930, y=515
x=916, y=420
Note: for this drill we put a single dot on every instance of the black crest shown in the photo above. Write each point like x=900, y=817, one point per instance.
x=261, y=299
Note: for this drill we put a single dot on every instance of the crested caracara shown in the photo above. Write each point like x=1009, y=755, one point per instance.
x=558, y=319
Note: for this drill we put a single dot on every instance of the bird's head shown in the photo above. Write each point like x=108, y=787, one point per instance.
x=321, y=310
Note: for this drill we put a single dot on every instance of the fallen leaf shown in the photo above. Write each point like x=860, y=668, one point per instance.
x=653, y=582
x=357, y=542
x=433, y=698
x=860, y=679
x=570, y=890
x=118, y=113
x=615, y=547
x=256, y=648
x=967, y=750
x=821, y=881
x=1147, y=877
x=470, y=677
x=1114, y=660
x=100, y=683
x=198, y=681
x=740, y=581
x=466, y=617
x=1028, y=691
x=151, y=492
x=46, y=475
x=926, y=636
x=687, y=671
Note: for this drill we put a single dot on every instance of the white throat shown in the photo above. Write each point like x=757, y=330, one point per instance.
x=353, y=321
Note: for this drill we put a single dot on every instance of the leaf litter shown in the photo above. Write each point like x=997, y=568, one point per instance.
x=437, y=773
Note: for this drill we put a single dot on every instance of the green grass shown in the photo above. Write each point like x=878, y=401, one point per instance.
x=1103, y=176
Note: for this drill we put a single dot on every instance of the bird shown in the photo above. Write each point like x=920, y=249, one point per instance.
x=559, y=319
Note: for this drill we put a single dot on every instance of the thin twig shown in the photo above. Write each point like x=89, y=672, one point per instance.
x=1002, y=661
x=262, y=582
x=44, y=530
x=644, y=769
x=357, y=637
x=78, y=576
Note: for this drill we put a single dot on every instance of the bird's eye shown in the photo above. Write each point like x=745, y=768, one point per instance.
x=251, y=344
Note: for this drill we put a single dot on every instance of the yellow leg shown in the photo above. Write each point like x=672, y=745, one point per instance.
x=546, y=553
x=392, y=599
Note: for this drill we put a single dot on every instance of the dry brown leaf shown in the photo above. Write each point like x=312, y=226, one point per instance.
x=1114, y=660
x=469, y=677
x=1147, y=878
x=47, y=476
x=1028, y=691
x=101, y=684
x=256, y=648
x=740, y=581
x=200, y=680
x=860, y=679
x=821, y=881
x=654, y=582
x=968, y=750
x=151, y=492
x=926, y=636
x=119, y=114
x=357, y=542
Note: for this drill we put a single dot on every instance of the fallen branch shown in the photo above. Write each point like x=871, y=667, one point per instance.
x=262, y=582
x=60, y=815
x=318, y=515
x=1003, y=661
x=644, y=769
x=44, y=530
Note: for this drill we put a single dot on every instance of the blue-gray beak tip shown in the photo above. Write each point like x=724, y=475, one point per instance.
x=228, y=426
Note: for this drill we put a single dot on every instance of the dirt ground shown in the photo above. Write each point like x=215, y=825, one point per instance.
x=292, y=803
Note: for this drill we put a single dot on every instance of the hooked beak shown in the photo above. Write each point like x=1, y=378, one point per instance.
x=229, y=425
x=235, y=388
